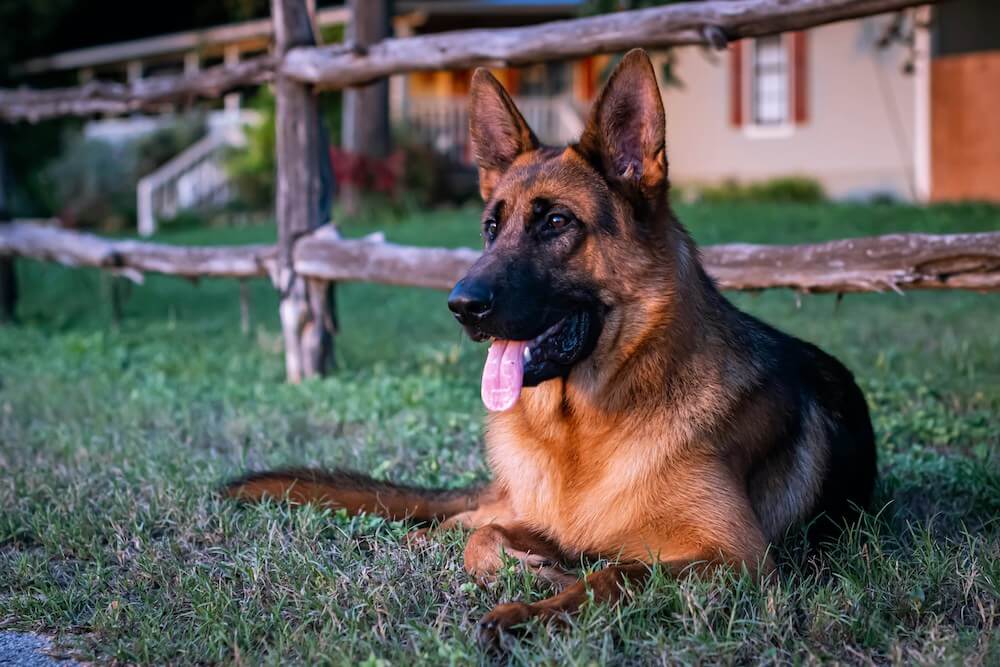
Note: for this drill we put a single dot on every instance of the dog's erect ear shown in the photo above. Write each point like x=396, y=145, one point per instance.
x=625, y=133
x=498, y=131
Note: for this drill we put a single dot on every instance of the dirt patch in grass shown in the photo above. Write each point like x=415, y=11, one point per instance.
x=26, y=649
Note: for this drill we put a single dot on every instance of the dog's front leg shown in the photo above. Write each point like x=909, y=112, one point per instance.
x=486, y=547
x=492, y=507
x=609, y=585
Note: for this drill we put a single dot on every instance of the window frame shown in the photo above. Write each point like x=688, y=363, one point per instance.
x=750, y=126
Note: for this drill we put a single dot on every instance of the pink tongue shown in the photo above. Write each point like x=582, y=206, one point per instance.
x=503, y=374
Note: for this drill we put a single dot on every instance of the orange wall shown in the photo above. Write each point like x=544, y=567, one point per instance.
x=585, y=82
x=965, y=127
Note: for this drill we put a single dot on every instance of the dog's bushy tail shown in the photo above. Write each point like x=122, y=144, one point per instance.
x=354, y=492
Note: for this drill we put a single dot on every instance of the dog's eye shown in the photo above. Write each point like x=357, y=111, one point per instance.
x=557, y=220
x=490, y=229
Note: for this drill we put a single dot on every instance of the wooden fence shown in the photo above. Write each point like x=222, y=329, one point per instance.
x=310, y=257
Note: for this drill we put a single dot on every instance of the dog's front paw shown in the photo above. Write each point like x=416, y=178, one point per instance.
x=504, y=619
x=419, y=537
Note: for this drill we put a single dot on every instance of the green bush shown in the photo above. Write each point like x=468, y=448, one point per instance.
x=796, y=189
x=92, y=182
x=254, y=167
x=433, y=179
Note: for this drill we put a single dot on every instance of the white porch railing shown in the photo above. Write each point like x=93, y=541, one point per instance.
x=195, y=178
x=443, y=123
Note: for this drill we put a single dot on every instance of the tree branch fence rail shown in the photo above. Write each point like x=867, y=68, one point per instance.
x=310, y=257
x=892, y=262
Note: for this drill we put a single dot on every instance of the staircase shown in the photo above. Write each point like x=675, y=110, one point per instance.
x=195, y=179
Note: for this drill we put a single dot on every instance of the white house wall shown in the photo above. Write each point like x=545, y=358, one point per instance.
x=858, y=139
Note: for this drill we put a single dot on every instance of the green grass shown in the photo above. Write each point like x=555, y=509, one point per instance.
x=112, y=442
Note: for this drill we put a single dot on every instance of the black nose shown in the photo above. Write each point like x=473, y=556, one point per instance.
x=470, y=301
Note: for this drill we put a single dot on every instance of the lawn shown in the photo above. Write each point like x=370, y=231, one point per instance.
x=112, y=442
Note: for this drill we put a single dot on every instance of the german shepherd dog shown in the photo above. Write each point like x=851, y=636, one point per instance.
x=634, y=413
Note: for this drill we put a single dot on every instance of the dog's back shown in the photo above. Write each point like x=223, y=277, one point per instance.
x=820, y=466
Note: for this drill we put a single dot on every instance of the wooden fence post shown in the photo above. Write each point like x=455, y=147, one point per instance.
x=304, y=184
x=365, y=123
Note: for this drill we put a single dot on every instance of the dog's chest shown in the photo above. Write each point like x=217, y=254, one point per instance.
x=577, y=492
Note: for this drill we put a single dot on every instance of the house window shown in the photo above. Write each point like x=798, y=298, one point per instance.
x=769, y=81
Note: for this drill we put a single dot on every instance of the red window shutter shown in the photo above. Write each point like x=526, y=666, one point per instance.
x=513, y=80
x=589, y=74
x=736, y=84
x=800, y=78
x=461, y=82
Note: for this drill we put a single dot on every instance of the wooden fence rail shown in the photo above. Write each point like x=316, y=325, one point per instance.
x=893, y=262
x=151, y=94
x=713, y=22
x=44, y=240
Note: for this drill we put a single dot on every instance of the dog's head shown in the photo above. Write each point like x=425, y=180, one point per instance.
x=555, y=224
